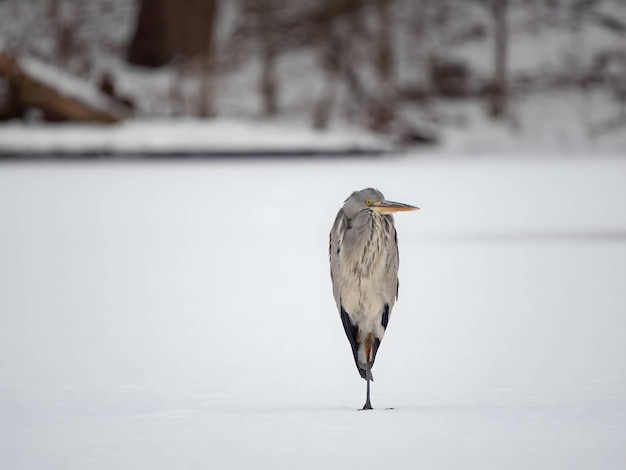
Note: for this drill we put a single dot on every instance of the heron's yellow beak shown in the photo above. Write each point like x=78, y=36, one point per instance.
x=389, y=207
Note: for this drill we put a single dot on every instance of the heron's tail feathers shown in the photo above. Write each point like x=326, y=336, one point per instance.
x=363, y=373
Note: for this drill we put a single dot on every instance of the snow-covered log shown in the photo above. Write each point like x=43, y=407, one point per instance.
x=59, y=96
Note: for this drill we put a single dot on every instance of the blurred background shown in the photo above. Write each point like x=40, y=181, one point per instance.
x=177, y=312
x=463, y=75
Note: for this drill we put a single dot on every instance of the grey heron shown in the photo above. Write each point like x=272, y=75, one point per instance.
x=363, y=252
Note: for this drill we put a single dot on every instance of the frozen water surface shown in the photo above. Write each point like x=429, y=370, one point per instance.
x=180, y=315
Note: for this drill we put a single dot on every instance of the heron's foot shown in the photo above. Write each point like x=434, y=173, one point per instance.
x=367, y=406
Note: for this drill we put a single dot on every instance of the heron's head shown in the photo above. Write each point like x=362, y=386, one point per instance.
x=372, y=199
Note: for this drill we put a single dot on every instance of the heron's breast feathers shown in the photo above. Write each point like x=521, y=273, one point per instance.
x=364, y=263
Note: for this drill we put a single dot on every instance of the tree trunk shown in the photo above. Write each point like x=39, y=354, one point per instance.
x=330, y=52
x=383, y=109
x=202, y=39
x=182, y=29
x=384, y=44
x=268, y=86
x=156, y=38
x=498, y=105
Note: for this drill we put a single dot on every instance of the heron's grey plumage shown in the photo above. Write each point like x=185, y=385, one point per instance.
x=364, y=263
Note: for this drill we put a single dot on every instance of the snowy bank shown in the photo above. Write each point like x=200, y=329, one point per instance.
x=185, y=136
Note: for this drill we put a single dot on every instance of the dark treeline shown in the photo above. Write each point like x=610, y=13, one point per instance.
x=371, y=59
x=355, y=43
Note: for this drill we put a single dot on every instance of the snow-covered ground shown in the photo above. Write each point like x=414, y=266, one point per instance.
x=179, y=316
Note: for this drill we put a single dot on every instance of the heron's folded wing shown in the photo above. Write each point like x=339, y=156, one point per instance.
x=334, y=249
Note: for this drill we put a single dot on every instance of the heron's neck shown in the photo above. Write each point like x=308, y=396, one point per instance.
x=376, y=239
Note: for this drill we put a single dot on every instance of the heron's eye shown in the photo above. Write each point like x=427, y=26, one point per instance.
x=368, y=202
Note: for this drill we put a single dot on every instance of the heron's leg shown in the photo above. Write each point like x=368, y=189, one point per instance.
x=368, y=373
x=368, y=404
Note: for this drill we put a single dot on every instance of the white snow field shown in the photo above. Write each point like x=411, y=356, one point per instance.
x=179, y=315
